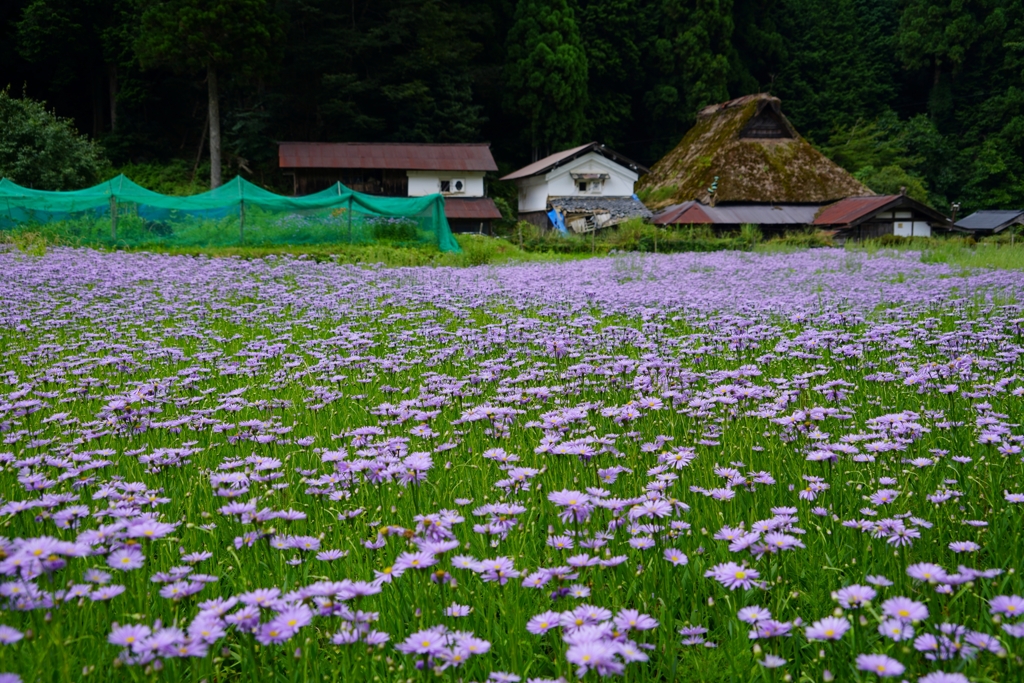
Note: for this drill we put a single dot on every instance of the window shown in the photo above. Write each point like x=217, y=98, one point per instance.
x=446, y=186
x=583, y=185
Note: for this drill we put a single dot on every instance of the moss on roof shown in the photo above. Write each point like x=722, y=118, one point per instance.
x=769, y=170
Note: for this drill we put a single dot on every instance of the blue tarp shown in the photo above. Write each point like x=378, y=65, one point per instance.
x=557, y=221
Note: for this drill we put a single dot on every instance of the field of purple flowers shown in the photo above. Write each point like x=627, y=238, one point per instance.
x=719, y=467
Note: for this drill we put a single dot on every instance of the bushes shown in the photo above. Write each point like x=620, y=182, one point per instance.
x=42, y=151
x=635, y=235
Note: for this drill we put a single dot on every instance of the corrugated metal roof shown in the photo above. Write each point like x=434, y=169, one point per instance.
x=387, y=155
x=471, y=208
x=737, y=214
x=990, y=220
x=549, y=162
x=851, y=209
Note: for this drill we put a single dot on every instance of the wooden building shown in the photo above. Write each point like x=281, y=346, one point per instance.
x=399, y=170
x=985, y=223
x=861, y=218
x=583, y=188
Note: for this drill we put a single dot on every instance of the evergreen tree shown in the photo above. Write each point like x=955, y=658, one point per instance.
x=838, y=66
x=546, y=74
x=691, y=61
x=199, y=36
x=613, y=41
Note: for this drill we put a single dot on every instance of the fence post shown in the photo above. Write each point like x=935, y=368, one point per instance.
x=113, y=218
x=350, y=219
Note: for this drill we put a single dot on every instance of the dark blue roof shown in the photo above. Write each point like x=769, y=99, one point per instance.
x=990, y=220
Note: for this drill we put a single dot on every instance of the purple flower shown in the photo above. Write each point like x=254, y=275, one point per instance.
x=429, y=641
x=418, y=560
x=829, y=628
x=9, y=635
x=129, y=635
x=1007, y=605
x=883, y=666
x=675, y=557
x=896, y=629
x=456, y=610
x=852, y=597
x=964, y=546
x=925, y=571
x=632, y=620
x=904, y=609
x=733, y=576
x=942, y=677
x=126, y=559
x=772, y=661
x=542, y=623
x=331, y=555
x=753, y=614
x=595, y=655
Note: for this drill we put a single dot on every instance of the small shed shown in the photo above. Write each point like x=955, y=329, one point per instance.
x=860, y=218
x=399, y=170
x=984, y=223
x=587, y=187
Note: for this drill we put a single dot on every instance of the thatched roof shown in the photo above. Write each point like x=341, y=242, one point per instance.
x=757, y=156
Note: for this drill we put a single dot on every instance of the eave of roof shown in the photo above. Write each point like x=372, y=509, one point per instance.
x=853, y=211
x=547, y=163
x=387, y=155
x=471, y=208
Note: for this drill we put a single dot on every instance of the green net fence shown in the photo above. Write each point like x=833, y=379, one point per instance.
x=119, y=212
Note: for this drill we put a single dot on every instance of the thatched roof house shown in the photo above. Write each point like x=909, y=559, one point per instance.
x=755, y=154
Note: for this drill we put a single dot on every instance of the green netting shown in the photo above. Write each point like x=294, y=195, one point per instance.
x=120, y=212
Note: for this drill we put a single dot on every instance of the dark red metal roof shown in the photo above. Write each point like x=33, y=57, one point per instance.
x=737, y=214
x=687, y=212
x=471, y=208
x=853, y=209
x=389, y=155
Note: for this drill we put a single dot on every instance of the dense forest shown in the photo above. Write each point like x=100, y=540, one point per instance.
x=927, y=94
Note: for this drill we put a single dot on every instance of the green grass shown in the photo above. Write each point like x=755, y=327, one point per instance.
x=991, y=253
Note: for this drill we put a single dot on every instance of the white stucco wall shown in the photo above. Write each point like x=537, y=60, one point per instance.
x=533, y=194
x=429, y=182
x=908, y=228
x=534, y=191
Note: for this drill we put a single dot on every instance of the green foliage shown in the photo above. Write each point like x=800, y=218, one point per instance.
x=173, y=177
x=614, y=41
x=893, y=180
x=400, y=70
x=881, y=154
x=38, y=149
x=192, y=35
x=914, y=89
x=838, y=64
x=546, y=74
x=938, y=34
x=394, y=230
x=29, y=243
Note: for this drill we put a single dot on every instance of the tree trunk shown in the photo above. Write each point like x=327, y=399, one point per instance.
x=211, y=82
